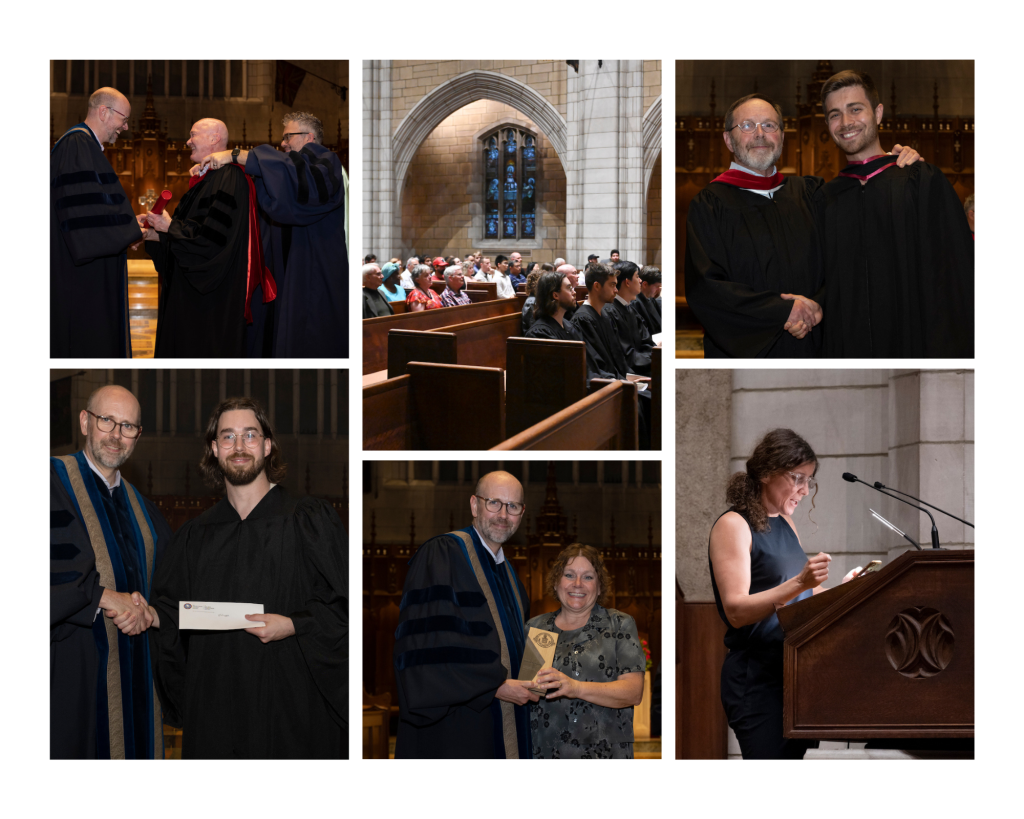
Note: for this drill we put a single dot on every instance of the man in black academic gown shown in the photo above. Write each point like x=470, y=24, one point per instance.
x=648, y=301
x=374, y=303
x=300, y=194
x=209, y=257
x=280, y=688
x=461, y=636
x=555, y=295
x=899, y=257
x=605, y=358
x=105, y=538
x=91, y=226
x=632, y=333
x=753, y=255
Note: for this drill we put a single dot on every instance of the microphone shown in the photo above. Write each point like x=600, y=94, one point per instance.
x=878, y=517
x=851, y=478
x=880, y=485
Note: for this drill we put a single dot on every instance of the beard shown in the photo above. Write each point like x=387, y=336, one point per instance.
x=493, y=530
x=863, y=140
x=241, y=475
x=107, y=459
x=760, y=161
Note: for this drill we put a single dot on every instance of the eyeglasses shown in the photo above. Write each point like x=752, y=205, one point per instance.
x=124, y=117
x=296, y=133
x=803, y=480
x=250, y=439
x=107, y=425
x=495, y=505
x=749, y=126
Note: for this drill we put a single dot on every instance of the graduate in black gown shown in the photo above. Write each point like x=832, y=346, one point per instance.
x=554, y=296
x=91, y=226
x=632, y=333
x=751, y=246
x=300, y=194
x=460, y=638
x=605, y=358
x=105, y=539
x=899, y=255
x=210, y=259
x=647, y=304
x=281, y=690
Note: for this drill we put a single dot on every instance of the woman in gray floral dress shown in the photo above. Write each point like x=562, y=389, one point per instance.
x=598, y=671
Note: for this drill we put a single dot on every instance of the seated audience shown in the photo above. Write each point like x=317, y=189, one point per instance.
x=392, y=289
x=455, y=276
x=422, y=297
x=374, y=304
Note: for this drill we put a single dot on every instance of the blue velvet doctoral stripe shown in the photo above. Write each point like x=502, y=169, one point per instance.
x=443, y=622
x=59, y=518
x=84, y=222
x=82, y=199
x=84, y=177
x=300, y=169
x=63, y=551
x=326, y=164
x=442, y=655
x=442, y=594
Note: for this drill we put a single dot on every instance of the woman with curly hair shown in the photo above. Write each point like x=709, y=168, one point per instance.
x=757, y=562
x=597, y=675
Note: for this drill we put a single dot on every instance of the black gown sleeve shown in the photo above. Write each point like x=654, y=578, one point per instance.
x=75, y=589
x=322, y=627
x=167, y=646
x=204, y=241
x=447, y=651
x=740, y=321
x=93, y=213
x=599, y=363
x=634, y=340
x=299, y=187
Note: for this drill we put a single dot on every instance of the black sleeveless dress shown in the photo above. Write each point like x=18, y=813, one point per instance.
x=752, y=672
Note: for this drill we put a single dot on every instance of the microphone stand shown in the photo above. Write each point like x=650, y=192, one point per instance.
x=880, y=485
x=847, y=476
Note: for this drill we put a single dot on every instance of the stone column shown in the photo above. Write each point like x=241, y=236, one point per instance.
x=604, y=160
x=378, y=193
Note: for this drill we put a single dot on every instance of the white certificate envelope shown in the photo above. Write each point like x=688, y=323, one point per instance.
x=200, y=614
x=657, y=337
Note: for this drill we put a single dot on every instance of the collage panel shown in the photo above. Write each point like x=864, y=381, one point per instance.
x=825, y=209
x=199, y=564
x=199, y=209
x=819, y=613
x=512, y=609
x=512, y=252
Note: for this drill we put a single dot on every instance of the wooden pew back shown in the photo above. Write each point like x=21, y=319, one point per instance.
x=476, y=343
x=658, y=382
x=375, y=330
x=605, y=420
x=542, y=377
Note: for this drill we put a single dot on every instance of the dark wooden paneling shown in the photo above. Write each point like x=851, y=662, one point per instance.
x=702, y=731
x=542, y=377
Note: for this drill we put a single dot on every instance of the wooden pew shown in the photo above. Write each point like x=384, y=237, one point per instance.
x=605, y=420
x=375, y=330
x=399, y=307
x=476, y=343
x=398, y=414
x=542, y=377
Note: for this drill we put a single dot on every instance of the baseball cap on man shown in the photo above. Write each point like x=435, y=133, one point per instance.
x=440, y=262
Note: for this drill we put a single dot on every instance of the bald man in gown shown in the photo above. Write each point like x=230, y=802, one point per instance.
x=209, y=258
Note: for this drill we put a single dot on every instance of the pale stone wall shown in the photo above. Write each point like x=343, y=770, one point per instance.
x=652, y=239
x=778, y=79
x=442, y=211
x=652, y=82
x=412, y=79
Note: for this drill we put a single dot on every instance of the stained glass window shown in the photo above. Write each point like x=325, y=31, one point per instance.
x=510, y=184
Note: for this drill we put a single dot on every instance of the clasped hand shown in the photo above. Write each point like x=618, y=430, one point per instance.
x=805, y=315
x=130, y=612
x=557, y=684
x=516, y=692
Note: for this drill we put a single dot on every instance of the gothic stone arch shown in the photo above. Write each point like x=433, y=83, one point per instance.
x=449, y=97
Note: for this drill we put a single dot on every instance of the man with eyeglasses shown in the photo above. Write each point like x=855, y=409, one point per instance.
x=105, y=538
x=754, y=276
x=210, y=258
x=277, y=690
x=899, y=258
x=461, y=636
x=92, y=225
x=301, y=192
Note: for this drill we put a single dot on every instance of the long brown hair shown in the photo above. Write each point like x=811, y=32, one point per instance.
x=604, y=580
x=208, y=466
x=778, y=451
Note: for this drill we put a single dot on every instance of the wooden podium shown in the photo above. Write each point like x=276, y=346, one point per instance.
x=887, y=655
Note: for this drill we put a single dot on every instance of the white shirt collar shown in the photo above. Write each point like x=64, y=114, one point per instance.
x=500, y=556
x=621, y=300
x=117, y=474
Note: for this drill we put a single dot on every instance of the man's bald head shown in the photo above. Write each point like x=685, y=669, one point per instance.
x=108, y=113
x=109, y=449
x=206, y=137
x=569, y=271
x=496, y=527
x=104, y=397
